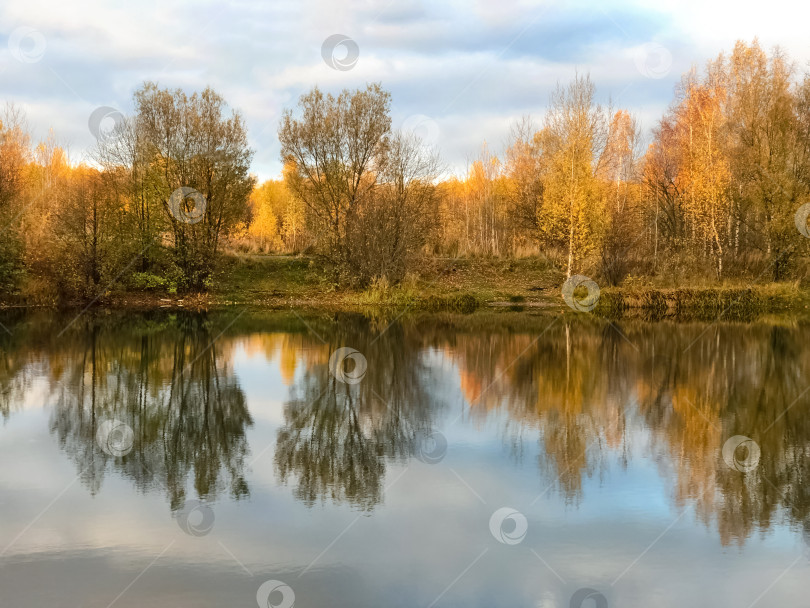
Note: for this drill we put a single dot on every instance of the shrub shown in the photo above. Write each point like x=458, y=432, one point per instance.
x=146, y=281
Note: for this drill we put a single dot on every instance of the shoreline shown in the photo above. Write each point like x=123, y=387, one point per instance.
x=465, y=285
x=614, y=303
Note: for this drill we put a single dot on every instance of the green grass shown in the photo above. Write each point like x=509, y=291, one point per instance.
x=247, y=278
x=443, y=284
x=523, y=286
x=466, y=284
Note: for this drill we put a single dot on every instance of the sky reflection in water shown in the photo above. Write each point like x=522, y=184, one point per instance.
x=250, y=461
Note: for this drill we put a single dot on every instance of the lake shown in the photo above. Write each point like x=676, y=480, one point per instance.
x=495, y=459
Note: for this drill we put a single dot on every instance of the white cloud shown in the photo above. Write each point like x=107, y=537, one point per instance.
x=474, y=67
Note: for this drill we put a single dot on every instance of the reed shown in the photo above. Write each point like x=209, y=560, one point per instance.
x=728, y=303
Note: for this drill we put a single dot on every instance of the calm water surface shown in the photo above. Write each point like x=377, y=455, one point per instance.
x=475, y=463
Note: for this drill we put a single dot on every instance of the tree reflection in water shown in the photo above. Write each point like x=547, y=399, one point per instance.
x=337, y=437
x=692, y=386
x=587, y=392
x=171, y=385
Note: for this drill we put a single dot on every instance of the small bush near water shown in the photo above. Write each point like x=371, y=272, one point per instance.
x=407, y=293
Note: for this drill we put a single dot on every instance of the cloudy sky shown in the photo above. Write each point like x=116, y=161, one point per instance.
x=460, y=71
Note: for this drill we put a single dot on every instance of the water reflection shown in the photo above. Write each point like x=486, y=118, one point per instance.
x=337, y=436
x=171, y=383
x=694, y=386
x=574, y=388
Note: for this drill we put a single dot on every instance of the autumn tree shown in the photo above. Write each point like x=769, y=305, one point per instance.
x=524, y=170
x=392, y=225
x=277, y=221
x=700, y=123
x=766, y=159
x=574, y=138
x=349, y=170
x=476, y=210
x=14, y=191
x=294, y=229
x=661, y=181
x=86, y=236
x=49, y=171
x=334, y=145
x=686, y=170
x=264, y=221
x=453, y=234
x=129, y=174
x=193, y=142
x=617, y=170
x=724, y=175
x=485, y=204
